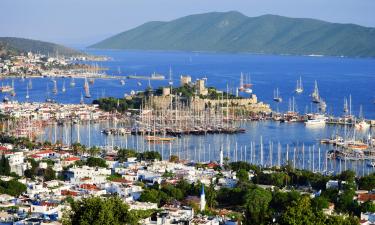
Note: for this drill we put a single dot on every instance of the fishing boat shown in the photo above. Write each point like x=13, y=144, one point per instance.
x=316, y=120
x=276, y=96
x=139, y=83
x=315, y=95
x=299, y=88
x=72, y=82
x=63, y=87
x=87, y=89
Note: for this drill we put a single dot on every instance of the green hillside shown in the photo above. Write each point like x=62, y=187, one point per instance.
x=235, y=32
x=12, y=44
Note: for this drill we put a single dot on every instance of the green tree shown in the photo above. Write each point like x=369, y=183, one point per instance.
x=320, y=203
x=243, y=176
x=174, y=158
x=49, y=174
x=149, y=155
x=256, y=206
x=98, y=211
x=78, y=148
x=367, y=206
x=211, y=195
x=12, y=187
x=4, y=166
x=96, y=162
x=367, y=182
x=94, y=151
x=348, y=176
x=124, y=154
x=301, y=213
x=155, y=196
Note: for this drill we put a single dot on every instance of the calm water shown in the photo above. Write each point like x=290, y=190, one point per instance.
x=337, y=78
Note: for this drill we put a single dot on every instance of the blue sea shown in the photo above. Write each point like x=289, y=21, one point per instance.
x=337, y=78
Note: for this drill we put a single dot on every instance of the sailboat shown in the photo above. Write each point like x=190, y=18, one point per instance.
x=63, y=87
x=170, y=76
x=30, y=85
x=72, y=82
x=48, y=98
x=247, y=85
x=322, y=106
x=13, y=91
x=81, y=101
x=241, y=88
x=346, y=108
x=276, y=96
x=27, y=92
x=87, y=89
x=54, y=91
x=315, y=95
x=299, y=88
x=122, y=81
x=361, y=124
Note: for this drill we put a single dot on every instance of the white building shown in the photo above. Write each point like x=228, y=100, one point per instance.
x=86, y=174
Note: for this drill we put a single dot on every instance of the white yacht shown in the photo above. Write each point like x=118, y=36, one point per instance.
x=318, y=119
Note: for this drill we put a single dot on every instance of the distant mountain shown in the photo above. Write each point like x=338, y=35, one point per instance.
x=235, y=32
x=17, y=45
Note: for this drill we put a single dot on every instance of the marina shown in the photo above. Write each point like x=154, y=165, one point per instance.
x=212, y=129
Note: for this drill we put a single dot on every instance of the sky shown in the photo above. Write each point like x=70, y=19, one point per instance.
x=84, y=22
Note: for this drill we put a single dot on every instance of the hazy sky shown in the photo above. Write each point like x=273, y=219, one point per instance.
x=83, y=22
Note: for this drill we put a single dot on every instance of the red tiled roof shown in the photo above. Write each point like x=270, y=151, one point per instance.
x=35, y=156
x=3, y=148
x=212, y=165
x=69, y=193
x=89, y=187
x=44, y=152
x=72, y=159
x=366, y=197
x=121, y=180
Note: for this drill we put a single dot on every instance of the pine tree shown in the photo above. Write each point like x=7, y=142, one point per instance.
x=4, y=166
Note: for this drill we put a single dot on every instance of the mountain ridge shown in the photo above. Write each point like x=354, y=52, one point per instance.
x=18, y=45
x=235, y=32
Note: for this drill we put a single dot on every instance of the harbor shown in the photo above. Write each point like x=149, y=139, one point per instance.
x=194, y=131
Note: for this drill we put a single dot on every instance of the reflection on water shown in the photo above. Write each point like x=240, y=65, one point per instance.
x=264, y=143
